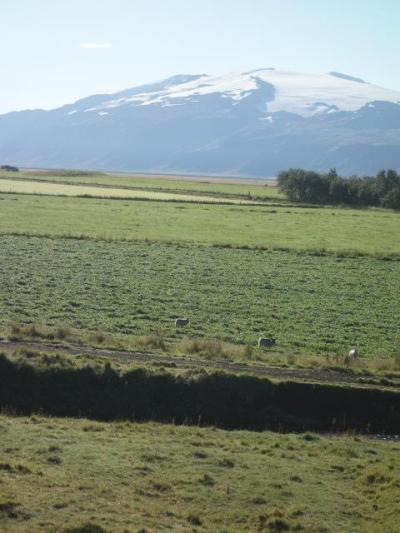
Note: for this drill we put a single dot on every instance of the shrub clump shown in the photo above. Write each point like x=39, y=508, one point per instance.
x=9, y=510
x=86, y=528
x=155, y=341
x=194, y=520
x=273, y=520
x=212, y=348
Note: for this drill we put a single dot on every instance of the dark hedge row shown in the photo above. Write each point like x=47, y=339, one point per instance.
x=222, y=400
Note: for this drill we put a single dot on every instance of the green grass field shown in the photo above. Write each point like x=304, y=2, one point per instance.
x=57, y=474
x=338, y=230
x=61, y=189
x=312, y=304
x=116, y=272
x=266, y=190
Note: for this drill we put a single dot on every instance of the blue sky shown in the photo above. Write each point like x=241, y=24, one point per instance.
x=56, y=51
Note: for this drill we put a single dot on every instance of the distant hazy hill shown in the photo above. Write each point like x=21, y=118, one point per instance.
x=254, y=123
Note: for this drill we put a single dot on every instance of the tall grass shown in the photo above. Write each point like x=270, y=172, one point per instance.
x=210, y=348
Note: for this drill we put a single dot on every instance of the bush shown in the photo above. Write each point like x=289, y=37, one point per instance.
x=248, y=351
x=155, y=341
x=194, y=520
x=99, y=337
x=62, y=332
x=8, y=509
x=86, y=528
x=16, y=329
x=304, y=185
x=212, y=348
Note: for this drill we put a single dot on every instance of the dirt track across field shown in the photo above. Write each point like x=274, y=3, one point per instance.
x=188, y=362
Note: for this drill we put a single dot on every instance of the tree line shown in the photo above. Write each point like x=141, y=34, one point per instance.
x=307, y=186
x=9, y=168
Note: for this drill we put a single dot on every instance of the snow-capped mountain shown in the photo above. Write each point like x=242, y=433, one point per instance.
x=253, y=123
x=302, y=94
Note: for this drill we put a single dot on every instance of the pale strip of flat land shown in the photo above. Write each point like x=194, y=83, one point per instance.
x=263, y=189
x=60, y=189
x=211, y=178
x=221, y=180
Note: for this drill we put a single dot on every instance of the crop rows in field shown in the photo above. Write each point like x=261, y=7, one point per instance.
x=309, y=303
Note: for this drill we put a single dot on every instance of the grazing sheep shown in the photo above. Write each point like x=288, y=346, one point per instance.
x=179, y=322
x=353, y=354
x=264, y=342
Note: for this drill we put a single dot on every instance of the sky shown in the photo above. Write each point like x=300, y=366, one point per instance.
x=57, y=51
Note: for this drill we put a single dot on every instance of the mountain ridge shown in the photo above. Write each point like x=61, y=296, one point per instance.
x=253, y=123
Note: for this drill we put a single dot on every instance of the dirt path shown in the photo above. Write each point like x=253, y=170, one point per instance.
x=189, y=362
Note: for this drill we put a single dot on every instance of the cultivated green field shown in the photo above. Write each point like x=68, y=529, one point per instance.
x=265, y=190
x=312, y=304
x=61, y=189
x=57, y=474
x=369, y=231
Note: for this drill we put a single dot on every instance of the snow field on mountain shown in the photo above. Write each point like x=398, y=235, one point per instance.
x=301, y=94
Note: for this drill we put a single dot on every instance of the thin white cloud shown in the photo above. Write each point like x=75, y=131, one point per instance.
x=94, y=45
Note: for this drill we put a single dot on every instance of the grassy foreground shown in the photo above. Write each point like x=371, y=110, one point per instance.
x=337, y=230
x=57, y=474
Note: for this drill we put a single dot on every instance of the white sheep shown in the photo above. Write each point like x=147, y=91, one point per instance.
x=179, y=322
x=353, y=354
